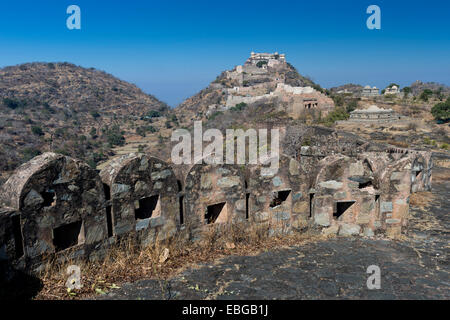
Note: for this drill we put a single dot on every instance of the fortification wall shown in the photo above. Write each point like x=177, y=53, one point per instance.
x=58, y=207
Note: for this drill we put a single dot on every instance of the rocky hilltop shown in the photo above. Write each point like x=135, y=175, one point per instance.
x=65, y=108
x=264, y=78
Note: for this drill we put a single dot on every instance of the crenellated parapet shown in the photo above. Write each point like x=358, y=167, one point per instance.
x=55, y=206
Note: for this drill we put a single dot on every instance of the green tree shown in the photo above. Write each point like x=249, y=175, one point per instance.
x=338, y=100
x=337, y=114
x=153, y=114
x=93, y=133
x=352, y=105
x=30, y=153
x=425, y=95
x=441, y=111
x=14, y=103
x=261, y=63
x=37, y=130
x=95, y=114
x=406, y=91
x=239, y=107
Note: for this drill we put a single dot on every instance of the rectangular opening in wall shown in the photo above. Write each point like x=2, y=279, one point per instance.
x=68, y=235
x=363, y=185
x=107, y=191
x=148, y=207
x=181, y=203
x=49, y=197
x=247, y=199
x=311, y=201
x=342, y=207
x=214, y=212
x=17, y=233
x=109, y=220
x=279, y=198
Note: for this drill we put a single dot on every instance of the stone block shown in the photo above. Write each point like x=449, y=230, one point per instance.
x=276, y=181
x=348, y=229
x=229, y=182
x=331, y=184
x=142, y=224
x=322, y=219
x=386, y=206
x=205, y=181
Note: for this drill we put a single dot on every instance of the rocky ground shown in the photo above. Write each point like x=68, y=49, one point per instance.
x=416, y=267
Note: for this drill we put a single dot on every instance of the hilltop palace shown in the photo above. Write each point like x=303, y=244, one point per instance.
x=261, y=79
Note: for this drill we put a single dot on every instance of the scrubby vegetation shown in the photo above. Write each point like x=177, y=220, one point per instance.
x=60, y=107
x=441, y=111
x=339, y=113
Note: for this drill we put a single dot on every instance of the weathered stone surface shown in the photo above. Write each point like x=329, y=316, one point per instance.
x=330, y=230
x=206, y=181
x=148, y=199
x=294, y=168
x=158, y=185
x=156, y=222
x=281, y=215
x=368, y=232
x=262, y=199
x=119, y=190
x=142, y=196
x=322, y=219
x=397, y=176
x=331, y=184
x=262, y=216
x=386, y=207
x=301, y=207
x=142, y=224
x=161, y=175
x=297, y=196
x=240, y=205
x=349, y=229
x=33, y=199
x=340, y=195
x=277, y=181
x=356, y=169
x=393, y=221
x=141, y=186
x=228, y=182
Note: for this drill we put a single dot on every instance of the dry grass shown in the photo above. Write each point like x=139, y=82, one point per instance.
x=441, y=175
x=127, y=262
x=444, y=163
x=422, y=199
x=398, y=143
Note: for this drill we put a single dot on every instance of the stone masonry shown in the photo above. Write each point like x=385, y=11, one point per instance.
x=56, y=206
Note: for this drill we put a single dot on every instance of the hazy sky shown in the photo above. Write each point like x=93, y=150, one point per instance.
x=173, y=49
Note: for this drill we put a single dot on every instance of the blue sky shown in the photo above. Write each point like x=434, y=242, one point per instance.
x=173, y=49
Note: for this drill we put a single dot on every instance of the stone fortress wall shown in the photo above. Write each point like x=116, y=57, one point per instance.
x=55, y=206
x=261, y=70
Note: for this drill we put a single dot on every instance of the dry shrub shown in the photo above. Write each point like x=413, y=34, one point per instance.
x=400, y=144
x=127, y=261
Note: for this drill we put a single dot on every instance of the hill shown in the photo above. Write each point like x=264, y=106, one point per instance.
x=68, y=109
x=262, y=75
